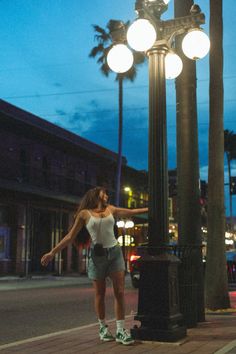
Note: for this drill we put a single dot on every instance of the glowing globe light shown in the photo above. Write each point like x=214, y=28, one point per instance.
x=129, y=224
x=196, y=44
x=173, y=65
x=127, y=238
x=120, y=223
x=141, y=35
x=120, y=58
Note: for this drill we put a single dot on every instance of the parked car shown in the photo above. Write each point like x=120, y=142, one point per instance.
x=134, y=270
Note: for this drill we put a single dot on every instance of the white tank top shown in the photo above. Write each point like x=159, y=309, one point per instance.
x=101, y=230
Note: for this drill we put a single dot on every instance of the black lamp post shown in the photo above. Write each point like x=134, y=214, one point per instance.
x=158, y=305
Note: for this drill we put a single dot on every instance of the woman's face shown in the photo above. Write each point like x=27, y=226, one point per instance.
x=103, y=196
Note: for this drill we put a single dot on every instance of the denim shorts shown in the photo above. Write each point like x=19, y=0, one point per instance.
x=100, y=267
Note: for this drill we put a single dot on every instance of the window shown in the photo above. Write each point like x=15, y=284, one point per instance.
x=4, y=242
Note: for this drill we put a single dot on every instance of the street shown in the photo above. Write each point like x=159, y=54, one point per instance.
x=33, y=312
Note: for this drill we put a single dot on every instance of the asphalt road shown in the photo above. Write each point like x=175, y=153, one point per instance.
x=27, y=313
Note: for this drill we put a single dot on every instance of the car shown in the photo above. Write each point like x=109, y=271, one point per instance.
x=134, y=270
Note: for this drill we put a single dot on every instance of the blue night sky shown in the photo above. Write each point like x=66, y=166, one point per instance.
x=45, y=69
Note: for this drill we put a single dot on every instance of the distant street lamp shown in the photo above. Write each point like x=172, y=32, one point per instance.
x=158, y=306
x=125, y=239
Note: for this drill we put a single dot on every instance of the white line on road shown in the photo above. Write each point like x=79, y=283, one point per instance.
x=45, y=336
x=227, y=348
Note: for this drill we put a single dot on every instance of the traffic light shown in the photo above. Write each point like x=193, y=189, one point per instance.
x=233, y=185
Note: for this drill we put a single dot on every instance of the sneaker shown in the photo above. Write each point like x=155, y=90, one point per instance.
x=124, y=337
x=105, y=334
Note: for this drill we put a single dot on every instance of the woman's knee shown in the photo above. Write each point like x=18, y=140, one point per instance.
x=119, y=293
x=100, y=288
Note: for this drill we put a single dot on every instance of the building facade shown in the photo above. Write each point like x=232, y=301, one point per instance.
x=44, y=172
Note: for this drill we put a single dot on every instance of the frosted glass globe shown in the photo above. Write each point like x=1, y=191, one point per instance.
x=120, y=58
x=173, y=65
x=129, y=224
x=165, y=1
x=141, y=35
x=120, y=223
x=196, y=44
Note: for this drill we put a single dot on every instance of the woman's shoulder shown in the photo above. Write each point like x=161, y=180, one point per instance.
x=83, y=214
x=111, y=208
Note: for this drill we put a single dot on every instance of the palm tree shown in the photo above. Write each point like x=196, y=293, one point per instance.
x=229, y=148
x=105, y=42
x=216, y=283
x=189, y=217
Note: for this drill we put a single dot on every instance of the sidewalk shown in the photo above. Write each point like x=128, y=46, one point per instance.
x=216, y=335
x=41, y=281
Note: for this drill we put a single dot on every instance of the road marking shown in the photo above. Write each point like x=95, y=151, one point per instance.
x=45, y=336
x=227, y=348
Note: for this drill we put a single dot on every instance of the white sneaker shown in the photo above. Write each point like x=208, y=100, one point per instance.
x=105, y=334
x=122, y=336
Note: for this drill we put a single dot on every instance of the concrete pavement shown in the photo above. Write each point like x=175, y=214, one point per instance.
x=41, y=281
x=216, y=335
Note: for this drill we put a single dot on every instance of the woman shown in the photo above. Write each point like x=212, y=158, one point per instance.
x=106, y=259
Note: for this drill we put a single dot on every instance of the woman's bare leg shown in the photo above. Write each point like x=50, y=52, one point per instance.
x=99, y=300
x=118, y=280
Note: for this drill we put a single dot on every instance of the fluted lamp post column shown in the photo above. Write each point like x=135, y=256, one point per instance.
x=158, y=303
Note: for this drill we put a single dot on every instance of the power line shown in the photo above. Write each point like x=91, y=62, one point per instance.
x=91, y=91
x=127, y=129
x=57, y=94
x=125, y=109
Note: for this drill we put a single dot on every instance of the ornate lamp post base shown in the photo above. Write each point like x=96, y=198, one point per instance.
x=158, y=306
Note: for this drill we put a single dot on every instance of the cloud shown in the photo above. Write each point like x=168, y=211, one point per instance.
x=79, y=120
x=204, y=173
x=60, y=112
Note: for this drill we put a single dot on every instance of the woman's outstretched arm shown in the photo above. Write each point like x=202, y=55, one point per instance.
x=68, y=238
x=126, y=212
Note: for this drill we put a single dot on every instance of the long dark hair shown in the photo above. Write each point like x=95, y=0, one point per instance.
x=89, y=201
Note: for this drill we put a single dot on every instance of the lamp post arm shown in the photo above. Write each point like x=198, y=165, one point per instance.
x=169, y=29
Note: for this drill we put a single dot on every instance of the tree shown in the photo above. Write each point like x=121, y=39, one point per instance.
x=189, y=216
x=105, y=42
x=216, y=283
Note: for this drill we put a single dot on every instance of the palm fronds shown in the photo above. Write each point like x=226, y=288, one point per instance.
x=104, y=39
